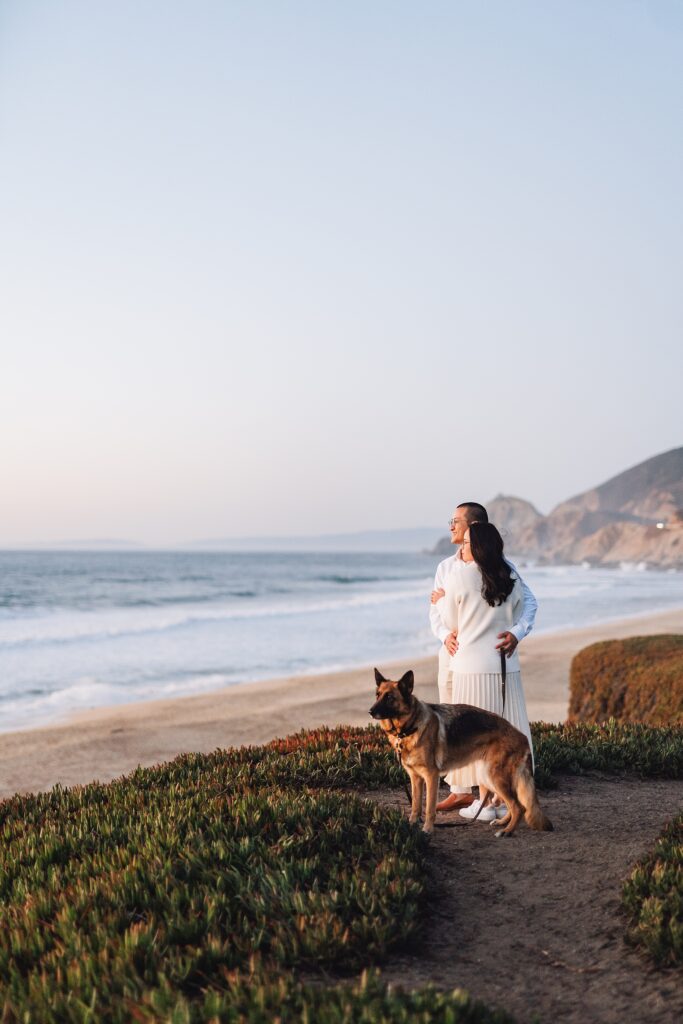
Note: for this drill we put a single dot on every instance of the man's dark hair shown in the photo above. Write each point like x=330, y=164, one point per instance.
x=474, y=512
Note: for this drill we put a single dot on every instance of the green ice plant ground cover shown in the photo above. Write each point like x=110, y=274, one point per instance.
x=185, y=893
x=199, y=889
x=612, y=747
x=360, y=758
x=653, y=898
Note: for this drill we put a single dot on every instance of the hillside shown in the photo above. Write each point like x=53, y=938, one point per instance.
x=265, y=884
x=636, y=516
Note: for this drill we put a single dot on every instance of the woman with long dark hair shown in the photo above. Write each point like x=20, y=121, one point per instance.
x=483, y=598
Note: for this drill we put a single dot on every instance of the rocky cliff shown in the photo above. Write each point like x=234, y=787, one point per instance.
x=636, y=516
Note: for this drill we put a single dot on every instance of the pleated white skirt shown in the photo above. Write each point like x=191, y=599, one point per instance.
x=485, y=690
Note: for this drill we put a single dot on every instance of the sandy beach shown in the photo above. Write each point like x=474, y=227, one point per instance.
x=107, y=742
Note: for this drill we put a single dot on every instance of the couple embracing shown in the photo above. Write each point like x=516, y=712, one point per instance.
x=480, y=610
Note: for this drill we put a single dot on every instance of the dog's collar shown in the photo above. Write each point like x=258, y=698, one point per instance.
x=405, y=731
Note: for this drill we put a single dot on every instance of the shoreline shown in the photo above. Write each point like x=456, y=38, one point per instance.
x=74, y=715
x=104, y=743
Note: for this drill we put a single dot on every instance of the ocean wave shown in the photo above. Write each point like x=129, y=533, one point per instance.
x=97, y=626
x=341, y=578
x=35, y=708
x=9, y=607
x=185, y=599
x=40, y=707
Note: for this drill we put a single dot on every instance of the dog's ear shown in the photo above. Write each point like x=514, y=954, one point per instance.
x=379, y=678
x=406, y=683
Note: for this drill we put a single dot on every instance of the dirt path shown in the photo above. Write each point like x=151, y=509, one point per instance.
x=532, y=924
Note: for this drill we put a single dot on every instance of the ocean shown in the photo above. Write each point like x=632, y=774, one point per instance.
x=85, y=629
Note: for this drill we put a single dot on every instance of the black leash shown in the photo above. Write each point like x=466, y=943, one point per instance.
x=503, y=669
x=401, y=735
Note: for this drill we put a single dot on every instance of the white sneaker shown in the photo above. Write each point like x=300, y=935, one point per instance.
x=488, y=813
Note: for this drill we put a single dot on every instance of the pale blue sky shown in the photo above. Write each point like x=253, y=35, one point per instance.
x=314, y=267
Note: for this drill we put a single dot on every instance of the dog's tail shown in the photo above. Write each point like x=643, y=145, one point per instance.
x=526, y=794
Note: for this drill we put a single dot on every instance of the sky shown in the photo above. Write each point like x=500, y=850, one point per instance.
x=303, y=268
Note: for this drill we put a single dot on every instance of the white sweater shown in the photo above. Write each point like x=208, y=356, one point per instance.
x=522, y=625
x=478, y=624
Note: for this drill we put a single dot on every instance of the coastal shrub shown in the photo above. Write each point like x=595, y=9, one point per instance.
x=360, y=757
x=187, y=893
x=653, y=898
x=197, y=889
x=635, y=680
x=131, y=894
x=368, y=1001
x=616, y=747
x=330, y=758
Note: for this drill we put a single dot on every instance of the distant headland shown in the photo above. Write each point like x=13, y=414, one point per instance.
x=634, y=517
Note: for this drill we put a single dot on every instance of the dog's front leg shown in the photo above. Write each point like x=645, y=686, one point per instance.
x=430, y=810
x=416, y=792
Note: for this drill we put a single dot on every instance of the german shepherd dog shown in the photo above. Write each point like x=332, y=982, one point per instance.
x=431, y=739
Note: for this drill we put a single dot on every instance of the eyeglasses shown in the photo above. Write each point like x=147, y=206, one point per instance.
x=454, y=522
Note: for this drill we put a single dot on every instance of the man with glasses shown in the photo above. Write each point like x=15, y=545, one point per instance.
x=466, y=513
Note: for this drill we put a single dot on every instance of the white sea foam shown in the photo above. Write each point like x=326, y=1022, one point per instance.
x=87, y=693
x=59, y=628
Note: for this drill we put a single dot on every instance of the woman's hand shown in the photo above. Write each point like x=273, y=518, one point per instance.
x=508, y=643
x=437, y=595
